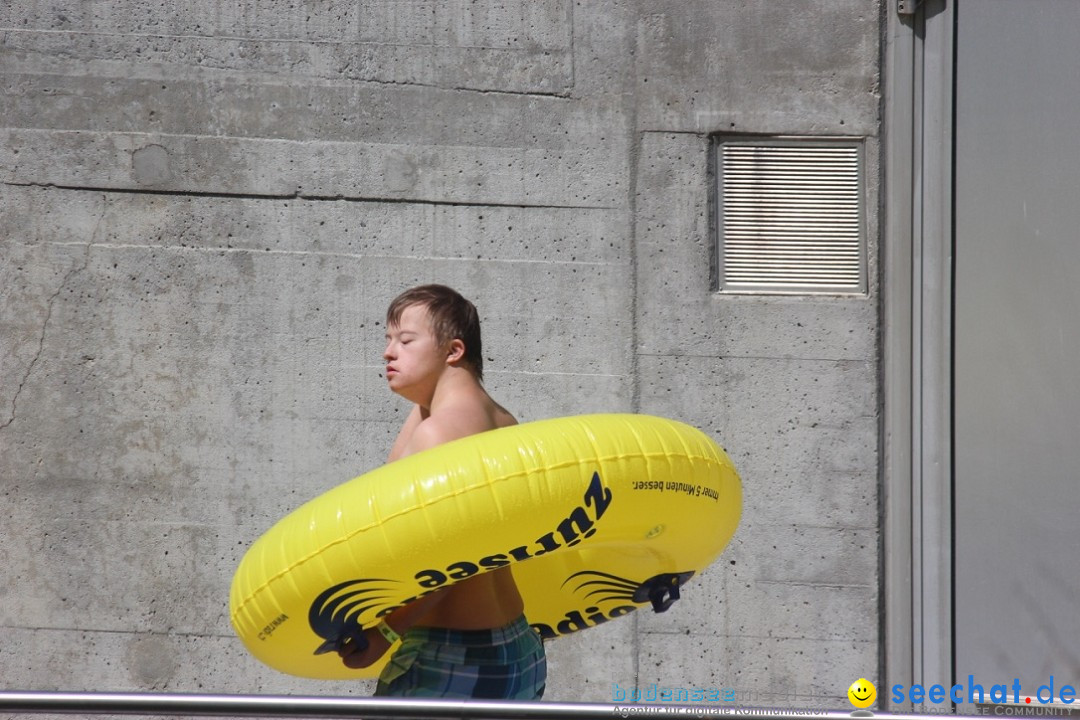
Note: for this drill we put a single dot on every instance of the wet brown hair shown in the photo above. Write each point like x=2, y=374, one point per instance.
x=452, y=317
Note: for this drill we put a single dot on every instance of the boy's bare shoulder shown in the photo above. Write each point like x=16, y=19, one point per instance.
x=465, y=418
x=502, y=417
x=453, y=423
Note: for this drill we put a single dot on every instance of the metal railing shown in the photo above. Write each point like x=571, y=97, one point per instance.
x=287, y=706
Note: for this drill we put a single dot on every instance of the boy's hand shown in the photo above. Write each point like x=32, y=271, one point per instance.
x=362, y=649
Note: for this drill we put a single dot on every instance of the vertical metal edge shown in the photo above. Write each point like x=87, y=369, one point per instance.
x=917, y=349
x=715, y=206
x=897, y=626
x=934, y=464
x=864, y=216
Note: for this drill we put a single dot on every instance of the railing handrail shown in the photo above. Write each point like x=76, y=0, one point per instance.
x=297, y=706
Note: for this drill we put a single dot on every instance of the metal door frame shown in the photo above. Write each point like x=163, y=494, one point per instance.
x=917, y=280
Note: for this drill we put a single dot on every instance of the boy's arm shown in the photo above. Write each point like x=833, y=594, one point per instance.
x=399, y=621
x=417, y=434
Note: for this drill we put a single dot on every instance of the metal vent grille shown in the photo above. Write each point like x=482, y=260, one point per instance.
x=791, y=216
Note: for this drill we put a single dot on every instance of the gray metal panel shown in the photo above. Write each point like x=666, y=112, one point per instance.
x=1017, y=342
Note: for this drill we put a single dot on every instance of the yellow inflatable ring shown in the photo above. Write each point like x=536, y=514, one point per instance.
x=597, y=515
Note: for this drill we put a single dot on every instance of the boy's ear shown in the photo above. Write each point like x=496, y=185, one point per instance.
x=456, y=351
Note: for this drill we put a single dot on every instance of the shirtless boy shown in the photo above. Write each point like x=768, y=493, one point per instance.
x=469, y=640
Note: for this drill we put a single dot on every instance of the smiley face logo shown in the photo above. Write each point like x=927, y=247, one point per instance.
x=862, y=693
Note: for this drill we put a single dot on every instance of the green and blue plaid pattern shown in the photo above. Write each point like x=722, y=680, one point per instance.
x=506, y=663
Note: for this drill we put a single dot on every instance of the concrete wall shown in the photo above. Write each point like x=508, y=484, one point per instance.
x=206, y=207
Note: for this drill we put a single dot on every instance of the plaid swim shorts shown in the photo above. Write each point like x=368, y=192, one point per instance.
x=506, y=663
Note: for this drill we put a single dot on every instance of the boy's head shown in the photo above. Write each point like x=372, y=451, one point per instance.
x=452, y=317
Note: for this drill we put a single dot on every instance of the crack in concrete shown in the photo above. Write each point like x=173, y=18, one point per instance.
x=45, y=325
x=309, y=197
x=40, y=349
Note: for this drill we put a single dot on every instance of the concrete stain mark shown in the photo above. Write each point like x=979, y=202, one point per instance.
x=310, y=197
x=151, y=165
x=401, y=172
x=48, y=317
x=152, y=660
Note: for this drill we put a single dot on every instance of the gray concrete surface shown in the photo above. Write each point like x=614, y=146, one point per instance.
x=205, y=208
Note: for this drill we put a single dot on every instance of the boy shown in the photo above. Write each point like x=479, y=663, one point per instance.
x=469, y=640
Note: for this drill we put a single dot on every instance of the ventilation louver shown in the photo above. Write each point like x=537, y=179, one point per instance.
x=791, y=216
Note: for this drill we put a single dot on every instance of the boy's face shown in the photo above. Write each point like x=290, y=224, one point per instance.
x=414, y=356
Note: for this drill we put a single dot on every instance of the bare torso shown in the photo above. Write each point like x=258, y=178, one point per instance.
x=486, y=600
